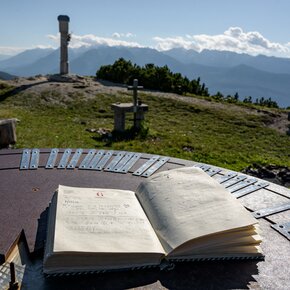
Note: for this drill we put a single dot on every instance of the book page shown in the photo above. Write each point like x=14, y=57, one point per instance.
x=186, y=203
x=102, y=220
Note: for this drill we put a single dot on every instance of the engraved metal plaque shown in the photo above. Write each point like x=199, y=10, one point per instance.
x=271, y=210
x=224, y=178
x=130, y=163
x=123, y=161
x=115, y=161
x=104, y=160
x=34, y=159
x=242, y=184
x=155, y=167
x=74, y=161
x=283, y=228
x=95, y=160
x=64, y=159
x=52, y=158
x=25, y=159
x=213, y=171
x=146, y=165
x=249, y=189
x=204, y=167
x=234, y=180
x=85, y=163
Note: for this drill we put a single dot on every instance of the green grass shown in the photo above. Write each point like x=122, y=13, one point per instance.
x=223, y=137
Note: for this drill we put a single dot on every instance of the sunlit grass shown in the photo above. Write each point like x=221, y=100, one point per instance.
x=223, y=137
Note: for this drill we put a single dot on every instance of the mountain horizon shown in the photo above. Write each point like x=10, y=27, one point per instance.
x=224, y=71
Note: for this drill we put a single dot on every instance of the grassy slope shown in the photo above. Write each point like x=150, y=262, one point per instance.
x=227, y=138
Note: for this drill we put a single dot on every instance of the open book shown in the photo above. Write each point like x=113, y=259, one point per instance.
x=176, y=215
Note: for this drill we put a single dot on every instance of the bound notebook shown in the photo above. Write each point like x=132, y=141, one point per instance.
x=180, y=214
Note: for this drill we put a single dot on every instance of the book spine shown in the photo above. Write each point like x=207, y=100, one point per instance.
x=88, y=272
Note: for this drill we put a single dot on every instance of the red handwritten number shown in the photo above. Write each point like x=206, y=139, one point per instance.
x=99, y=194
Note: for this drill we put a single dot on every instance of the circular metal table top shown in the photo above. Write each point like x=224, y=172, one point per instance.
x=28, y=179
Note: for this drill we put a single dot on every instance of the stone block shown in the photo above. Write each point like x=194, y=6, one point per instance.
x=7, y=132
x=120, y=110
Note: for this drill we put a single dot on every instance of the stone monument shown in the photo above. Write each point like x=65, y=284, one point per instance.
x=64, y=40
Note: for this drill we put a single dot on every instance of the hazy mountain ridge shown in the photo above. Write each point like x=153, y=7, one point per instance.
x=227, y=72
x=228, y=59
x=4, y=56
x=24, y=58
x=5, y=76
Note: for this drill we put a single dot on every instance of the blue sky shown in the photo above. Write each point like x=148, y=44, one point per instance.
x=250, y=26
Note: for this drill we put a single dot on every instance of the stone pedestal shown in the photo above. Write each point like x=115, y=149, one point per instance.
x=7, y=132
x=120, y=110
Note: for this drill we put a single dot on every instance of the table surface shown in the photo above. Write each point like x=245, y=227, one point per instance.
x=25, y=196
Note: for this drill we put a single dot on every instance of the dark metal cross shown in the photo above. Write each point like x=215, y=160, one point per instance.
x=135, y=89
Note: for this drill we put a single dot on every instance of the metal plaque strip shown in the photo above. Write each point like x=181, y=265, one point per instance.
x=64, y=159
x=204, y=167
x=155, y=167
x=250, y=189
x=85, y=163
x=25, y=159
x=115, y=161
x=34, y=159
x=234, y=180
x=146, y=165
x=95, y=160
x=106, y=157
x=212, y=171
x=283, y=228
x=52, y=158
x=226, y=177
x=130, y=163
x=271, y=210
x=74, y=161
x=242, y=184
x=123, y=161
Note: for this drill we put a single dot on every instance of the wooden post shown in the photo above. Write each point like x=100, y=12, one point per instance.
x=7, y=132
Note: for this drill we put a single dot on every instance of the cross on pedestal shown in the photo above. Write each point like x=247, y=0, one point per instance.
x=135, y=89
x=120, y=109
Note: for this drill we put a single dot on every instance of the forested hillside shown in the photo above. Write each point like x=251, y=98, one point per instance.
x=163, y=79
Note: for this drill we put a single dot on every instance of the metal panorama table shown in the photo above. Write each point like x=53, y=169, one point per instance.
x=29, y=177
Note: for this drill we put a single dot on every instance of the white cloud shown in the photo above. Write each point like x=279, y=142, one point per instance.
x=123, y=35
x=6, y=50
x=116, y=35
x=234, y=39
x=93, y=40
x=174, y=42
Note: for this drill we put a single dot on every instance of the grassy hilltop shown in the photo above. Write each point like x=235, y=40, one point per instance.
x=54, y=114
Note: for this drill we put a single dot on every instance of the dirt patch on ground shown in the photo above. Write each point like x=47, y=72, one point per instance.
x=89, y=87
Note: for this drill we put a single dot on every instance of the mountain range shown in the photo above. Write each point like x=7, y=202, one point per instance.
x=223, y=71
